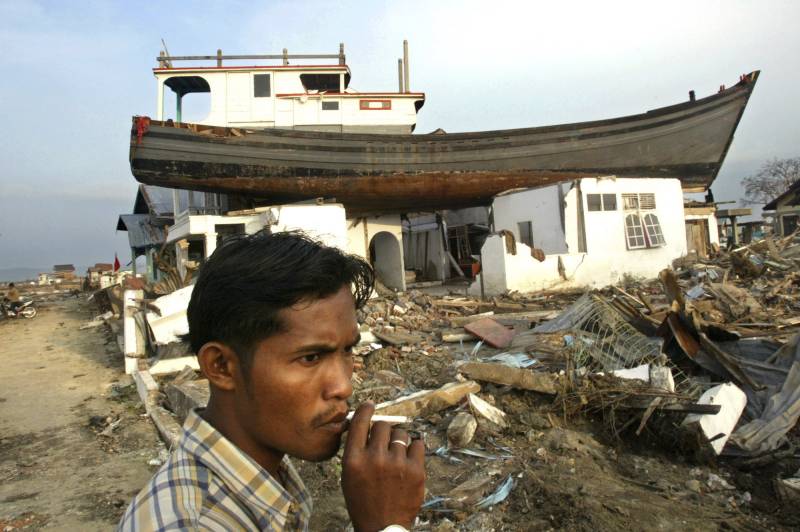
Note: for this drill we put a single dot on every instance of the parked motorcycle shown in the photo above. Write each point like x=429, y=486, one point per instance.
x=23, y=309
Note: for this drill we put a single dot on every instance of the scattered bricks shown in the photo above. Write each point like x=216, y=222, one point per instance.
x=390, y=377
x=396, y=337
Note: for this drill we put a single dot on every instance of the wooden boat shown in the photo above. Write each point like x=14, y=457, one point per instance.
x=418, y=172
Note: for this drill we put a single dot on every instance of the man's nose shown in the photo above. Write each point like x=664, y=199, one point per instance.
x=339, y=383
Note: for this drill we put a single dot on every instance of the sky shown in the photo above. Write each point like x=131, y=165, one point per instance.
x=75, y=72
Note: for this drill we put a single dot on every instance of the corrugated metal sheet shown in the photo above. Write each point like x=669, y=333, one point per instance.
x=153, y=200
x=142, y=232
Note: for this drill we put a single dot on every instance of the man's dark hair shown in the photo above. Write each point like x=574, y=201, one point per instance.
x=247, y=281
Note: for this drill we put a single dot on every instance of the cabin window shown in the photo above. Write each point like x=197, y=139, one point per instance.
x=320, y=82
x=643, y=231
x=261, y=86
x=375, y=105
x=330, y=106
x=190, y=98
x=525, y=233
x=601, y=202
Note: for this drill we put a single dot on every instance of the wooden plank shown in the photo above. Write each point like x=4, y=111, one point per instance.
x=518, y=378
x=428, y=401
x=682, y=335
x=491, y=332
x=689, y=408
x=526, y=315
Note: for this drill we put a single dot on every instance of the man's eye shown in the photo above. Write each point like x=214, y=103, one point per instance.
x=310, y=359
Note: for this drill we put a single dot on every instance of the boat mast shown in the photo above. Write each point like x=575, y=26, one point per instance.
x=405, y=66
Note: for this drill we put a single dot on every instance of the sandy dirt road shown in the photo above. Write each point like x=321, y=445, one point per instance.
x=59, y=392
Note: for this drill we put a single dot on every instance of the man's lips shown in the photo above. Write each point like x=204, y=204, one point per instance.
x=337, y=423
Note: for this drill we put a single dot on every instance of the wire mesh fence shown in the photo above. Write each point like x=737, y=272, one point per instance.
x=600, y=339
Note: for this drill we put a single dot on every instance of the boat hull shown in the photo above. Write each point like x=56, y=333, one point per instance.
x=401, y=173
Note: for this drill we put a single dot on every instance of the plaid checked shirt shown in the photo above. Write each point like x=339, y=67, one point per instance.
x=209, y=484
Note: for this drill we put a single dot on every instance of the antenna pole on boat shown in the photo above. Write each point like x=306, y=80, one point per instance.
x=166, y=52
x=405, y=66
x=219, y=57
x=400, y=74
x=285, y=57
x=341, y=53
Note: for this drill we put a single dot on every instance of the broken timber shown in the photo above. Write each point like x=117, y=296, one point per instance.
x=428, y=401
x=506, y=375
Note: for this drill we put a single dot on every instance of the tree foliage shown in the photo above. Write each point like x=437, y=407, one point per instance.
x=772, y=180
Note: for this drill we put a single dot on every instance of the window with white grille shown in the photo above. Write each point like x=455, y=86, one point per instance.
x=653, y=231
x=630, y=202
x=643, y=231
x=647, y=202
x=636, y=202
x=634, y=233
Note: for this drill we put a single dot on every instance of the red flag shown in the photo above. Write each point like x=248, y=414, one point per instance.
x=116, y=263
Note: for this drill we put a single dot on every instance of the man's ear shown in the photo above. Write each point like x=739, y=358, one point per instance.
x=220, y=365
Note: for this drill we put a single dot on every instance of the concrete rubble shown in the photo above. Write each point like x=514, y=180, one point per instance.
x=704, y=361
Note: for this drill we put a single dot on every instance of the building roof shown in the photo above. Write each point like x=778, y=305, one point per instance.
x=153, y=200
x=144, y=230
x=101, y=267
x=63, y=268
x=793, y=190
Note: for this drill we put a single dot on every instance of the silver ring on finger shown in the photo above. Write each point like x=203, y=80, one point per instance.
x=399, y=436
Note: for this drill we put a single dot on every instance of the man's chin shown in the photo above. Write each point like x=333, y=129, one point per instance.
x=321, y=453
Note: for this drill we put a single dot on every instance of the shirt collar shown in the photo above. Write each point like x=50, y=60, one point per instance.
x=250, y=483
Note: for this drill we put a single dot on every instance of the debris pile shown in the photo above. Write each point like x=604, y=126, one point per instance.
x=541, y=404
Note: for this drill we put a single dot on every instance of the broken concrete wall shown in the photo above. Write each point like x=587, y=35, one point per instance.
x=168, y=325
x=381, y=237
x=607, y=258
x=542, y=208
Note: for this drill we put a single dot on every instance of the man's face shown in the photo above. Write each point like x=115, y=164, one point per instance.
x=295, y=397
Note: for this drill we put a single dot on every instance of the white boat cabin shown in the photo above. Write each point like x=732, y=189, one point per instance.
x=306, y=97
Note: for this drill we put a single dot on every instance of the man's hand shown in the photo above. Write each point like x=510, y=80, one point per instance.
x=383, y=480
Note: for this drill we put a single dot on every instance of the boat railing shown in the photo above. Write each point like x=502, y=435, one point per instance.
x=165, y=60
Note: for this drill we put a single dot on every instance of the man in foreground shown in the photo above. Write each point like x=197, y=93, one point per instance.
x=272, y=320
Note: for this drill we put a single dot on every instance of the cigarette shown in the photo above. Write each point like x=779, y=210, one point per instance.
x=393, y=420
